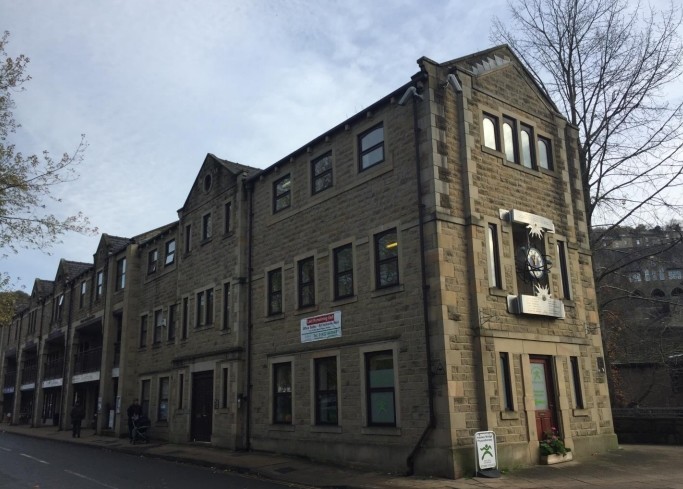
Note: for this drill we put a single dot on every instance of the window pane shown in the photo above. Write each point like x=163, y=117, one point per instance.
x=543, y=153
x=372, y=147
x=382, y=411
x=343, y=271
x=322, y=173
x=489, y=133
x=326, y=390
x=381, y=368
x=508, y=137
x=372, y=138
x=526, y=148
x=380, y=388
x=282, y=392
x=387, y=259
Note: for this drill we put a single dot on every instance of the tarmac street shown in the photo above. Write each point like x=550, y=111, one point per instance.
x=631, y=466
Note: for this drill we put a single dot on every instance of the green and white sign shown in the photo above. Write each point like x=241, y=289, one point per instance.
x=485, y=446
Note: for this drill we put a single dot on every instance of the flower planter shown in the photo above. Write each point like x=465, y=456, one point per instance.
x=556, y=458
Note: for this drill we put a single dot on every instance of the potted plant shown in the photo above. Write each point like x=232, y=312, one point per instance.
x=552, y=448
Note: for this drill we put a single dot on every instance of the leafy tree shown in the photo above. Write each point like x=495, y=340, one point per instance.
x=607, y=64
x=28, y=182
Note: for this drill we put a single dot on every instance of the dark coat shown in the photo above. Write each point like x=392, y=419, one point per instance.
x=134, y=411
x=77, y=413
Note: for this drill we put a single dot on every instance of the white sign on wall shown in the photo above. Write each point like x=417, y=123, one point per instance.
x=322, y=327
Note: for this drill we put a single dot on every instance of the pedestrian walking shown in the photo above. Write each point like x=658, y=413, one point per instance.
x=77, y=415
x=134, y=412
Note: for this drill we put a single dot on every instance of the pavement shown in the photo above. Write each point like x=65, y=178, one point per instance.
x=631, y=466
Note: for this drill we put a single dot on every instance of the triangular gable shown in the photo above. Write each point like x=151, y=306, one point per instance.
x=497, y=58
x=221, y=172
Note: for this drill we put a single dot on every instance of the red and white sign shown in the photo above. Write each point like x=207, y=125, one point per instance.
x=321, y=327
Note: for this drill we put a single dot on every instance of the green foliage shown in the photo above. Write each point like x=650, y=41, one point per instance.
x=552, y=444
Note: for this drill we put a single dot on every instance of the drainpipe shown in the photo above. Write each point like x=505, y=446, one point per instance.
x=410, y=461
x=250, y=247
x=65, y=362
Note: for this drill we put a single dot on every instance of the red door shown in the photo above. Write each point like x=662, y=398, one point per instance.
x=544, y=395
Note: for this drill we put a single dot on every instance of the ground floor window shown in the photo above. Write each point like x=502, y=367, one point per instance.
x=282, y=393
x=381, y=391
x=326, y=403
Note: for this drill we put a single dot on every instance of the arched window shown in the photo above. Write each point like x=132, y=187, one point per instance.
x=490, y=139
x=636, y=293
x=509, y=141
x=677, y=292
x=658, y=293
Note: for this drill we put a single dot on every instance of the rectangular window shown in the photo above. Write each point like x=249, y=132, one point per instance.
x=674, y=274
x=282, y=393
x=158, y=325
x=162, y=411
x=227, y=224
x=170, y=252
x=306, y=274
x=152, y=261
x=144, y=397
x=206, y=227
x=282, y=195
x=380, y=388
x=181, y=390
x=143, y=331
x=545, y=154
x=172, y=316
x=224, y=388
x=490, y=131
x=576, y=376
x=188, y=238
x=59, y=307
x=186, y=317
x=121, y=274
x=635, y=277
x=326, y=395
x=84, y=291
x=275, y=292
x=564, y=269
x=386, y=259
x=204, y=308
x=343, y=271
x=201, y=309
x=506, y=398
x=371, y=147
x=495, y=280
x=100, y=285
x=321, y=173
x=226, y=306
x=209, y=307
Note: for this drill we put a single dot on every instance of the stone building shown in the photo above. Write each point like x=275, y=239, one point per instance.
x=418, y=273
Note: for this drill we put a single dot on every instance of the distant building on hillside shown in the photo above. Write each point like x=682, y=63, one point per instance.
x=643, y=314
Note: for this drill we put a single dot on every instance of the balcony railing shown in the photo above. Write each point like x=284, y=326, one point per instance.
x=29, y=374
x=88, y=361
x=10, y=378
x=54, y=369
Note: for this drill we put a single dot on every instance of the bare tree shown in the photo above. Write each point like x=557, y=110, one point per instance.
x=28, y=182
x=607, y=64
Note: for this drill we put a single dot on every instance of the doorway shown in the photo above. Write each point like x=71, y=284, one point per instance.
x=543, y=388
x=202, y=406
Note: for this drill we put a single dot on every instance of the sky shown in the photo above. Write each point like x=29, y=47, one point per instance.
x=156, y=85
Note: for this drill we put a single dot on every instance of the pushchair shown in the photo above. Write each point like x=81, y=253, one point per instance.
x=140, y=427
